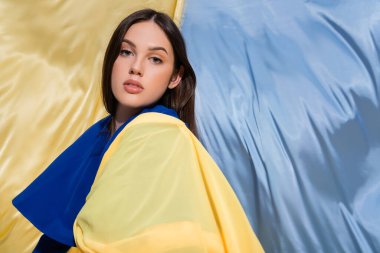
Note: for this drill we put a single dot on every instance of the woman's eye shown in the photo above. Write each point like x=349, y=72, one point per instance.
x=125, y=52
x=156, y=60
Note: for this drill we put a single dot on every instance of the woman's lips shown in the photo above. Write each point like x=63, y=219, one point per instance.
x=132, y=86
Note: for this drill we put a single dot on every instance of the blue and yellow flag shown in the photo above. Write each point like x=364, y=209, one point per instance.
x=287, y=104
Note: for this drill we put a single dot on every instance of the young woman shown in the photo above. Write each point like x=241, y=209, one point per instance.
x=139, y=180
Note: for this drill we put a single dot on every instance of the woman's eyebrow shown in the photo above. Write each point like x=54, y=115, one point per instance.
x=158, y=48
x=150, y=48
x=129, y=42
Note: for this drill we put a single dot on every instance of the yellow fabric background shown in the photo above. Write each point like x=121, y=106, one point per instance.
x=157, y=180
x=50, y=63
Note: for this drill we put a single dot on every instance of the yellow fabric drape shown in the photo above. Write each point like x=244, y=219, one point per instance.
x=50, y=60
x=158, y=190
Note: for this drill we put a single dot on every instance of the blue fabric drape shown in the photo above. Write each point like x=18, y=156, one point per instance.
x=53, y=200
x=288, y=106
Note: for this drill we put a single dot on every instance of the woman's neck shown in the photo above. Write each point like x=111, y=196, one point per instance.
x=121, y=116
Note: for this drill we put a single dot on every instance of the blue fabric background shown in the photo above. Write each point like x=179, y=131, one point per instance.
x=288, y=106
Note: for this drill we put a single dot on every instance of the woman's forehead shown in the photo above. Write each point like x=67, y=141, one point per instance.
x=147, y=34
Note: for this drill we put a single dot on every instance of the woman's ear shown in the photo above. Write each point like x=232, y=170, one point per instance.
x=176, y=78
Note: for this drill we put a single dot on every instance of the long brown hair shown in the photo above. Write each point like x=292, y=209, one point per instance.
x=180, y=98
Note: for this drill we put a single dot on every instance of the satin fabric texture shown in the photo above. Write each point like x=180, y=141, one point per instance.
x=288, y=105
x=53, y=200
x=51, y=58
x=158, y=190
x=150, y=187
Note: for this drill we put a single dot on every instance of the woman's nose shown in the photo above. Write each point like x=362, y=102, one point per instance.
x=136, y=69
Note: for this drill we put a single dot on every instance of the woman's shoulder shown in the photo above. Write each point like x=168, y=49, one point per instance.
x=156, y=118
x=153, y=124
x=152, y=127
x=157, y=114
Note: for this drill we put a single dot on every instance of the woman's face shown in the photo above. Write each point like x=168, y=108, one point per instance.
x=144, y=67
